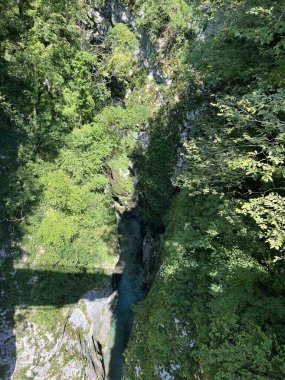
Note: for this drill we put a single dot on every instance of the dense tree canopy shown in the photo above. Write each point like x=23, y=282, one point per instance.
x=216, y=307
x=203, y=81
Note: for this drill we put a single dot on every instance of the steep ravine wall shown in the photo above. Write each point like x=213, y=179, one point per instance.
x=75, y=348
x=78, y=349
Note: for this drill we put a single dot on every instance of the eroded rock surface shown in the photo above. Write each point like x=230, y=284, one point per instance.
x=77, y=353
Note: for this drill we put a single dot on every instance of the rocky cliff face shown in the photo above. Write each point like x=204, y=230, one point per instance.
x=74, y=353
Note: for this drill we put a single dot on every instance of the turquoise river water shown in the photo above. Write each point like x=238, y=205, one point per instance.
x=130, y=289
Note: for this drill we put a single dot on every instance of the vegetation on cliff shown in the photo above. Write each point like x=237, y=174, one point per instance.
x=65, y=150
x=216, y=308
x=204, y=82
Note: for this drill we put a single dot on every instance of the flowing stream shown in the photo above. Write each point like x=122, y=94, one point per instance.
x=130, y=289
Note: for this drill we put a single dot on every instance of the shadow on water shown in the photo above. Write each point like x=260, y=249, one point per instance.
x=130, y=289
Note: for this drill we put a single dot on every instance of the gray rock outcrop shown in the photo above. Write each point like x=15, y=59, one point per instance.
x=79, y=352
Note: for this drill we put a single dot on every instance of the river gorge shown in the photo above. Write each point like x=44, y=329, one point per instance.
x=130, y=291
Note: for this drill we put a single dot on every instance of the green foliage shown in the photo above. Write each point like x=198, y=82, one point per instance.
x=207, y=307
x=121, y=37
x=120, y=122
x=62, y=151
x=173, y=14
x=53, y=61
x=268, y=212
x=216, y=307
x=60, y=139
x=123, y=44
x=86, y=153
x=83, y=96
x=61, y=193
x=56, y=230
x=156, y=167
x=240, y=43
x=244, y=142
x=122, y=184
